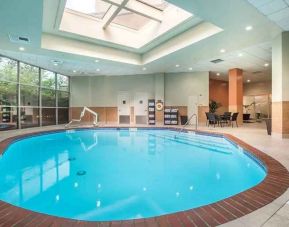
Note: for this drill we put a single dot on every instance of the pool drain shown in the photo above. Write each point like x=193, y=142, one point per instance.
x=71, y=159
x=81, y=173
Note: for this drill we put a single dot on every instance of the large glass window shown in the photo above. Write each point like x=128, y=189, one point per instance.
x=62, y=82
x=8, y=69
x=48, y=97
x=29, y=117
x=29, y=95
x=48, y=79
x=8, y=94
x=63, y=115
x=30, y=90
x=48, y=116
x=29, y=74
x=63, y=99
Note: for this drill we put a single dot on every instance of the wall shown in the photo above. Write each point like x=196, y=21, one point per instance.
x=258, y=88
x=100, y=92
x=219, y=91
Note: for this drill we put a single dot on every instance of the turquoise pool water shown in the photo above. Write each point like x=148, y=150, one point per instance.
x=110, y=174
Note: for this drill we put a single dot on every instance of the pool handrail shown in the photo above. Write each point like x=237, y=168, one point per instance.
x=95, y=117
x=188, y=121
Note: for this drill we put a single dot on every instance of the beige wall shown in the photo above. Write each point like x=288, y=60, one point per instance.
x=179, y=86
x=102, y=91
x=258, y=88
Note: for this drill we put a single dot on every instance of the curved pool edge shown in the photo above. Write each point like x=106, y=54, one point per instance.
x=274, y=185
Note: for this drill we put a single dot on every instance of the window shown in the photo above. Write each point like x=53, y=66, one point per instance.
x=63, y=99
x=158, y=4
x=62, y=83
x=29, y=95
x=130, y=20
x=8, y=69
x=48, y=97
x=29, y=74
x=30, y=90
x=95, y=8
x=47, y=79
x=8, y=94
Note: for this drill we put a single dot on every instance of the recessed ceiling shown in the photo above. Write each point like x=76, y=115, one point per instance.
x=192, y=44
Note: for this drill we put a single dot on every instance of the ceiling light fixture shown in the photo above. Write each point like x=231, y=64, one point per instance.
x=21, y=48
x=249, y=28
x=190, y=68
x=177, y=66
x=248, y=81
x=240, y=54
x=218, y=74
x=222, y=50
x=266, y=64
x=144, y=68
x=74, y=71
x=96, y=60
x=97, y=70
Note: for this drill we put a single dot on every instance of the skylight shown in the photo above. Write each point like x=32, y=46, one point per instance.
x=95, y=8
x=158, y=4
x=130, y=20
x=132, y=23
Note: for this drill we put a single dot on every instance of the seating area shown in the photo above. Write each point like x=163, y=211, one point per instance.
x=226, y=119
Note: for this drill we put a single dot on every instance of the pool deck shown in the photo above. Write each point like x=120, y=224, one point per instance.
x=263, y=205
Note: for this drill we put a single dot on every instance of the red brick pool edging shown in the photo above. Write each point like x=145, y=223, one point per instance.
x=273, y=186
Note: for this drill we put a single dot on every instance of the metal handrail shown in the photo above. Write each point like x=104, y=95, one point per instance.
x=188, y=121
x=95, y=117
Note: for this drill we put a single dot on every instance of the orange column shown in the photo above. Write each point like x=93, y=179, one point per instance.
x=236, y=93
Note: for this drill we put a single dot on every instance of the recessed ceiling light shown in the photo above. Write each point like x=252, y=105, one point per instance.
x=177, y=66
x=21, y=48
x=74, y=71
x=240, y=54
x=96, y=60
x=144, y=68
x=97, y=70
x=218, y=74
x=249, y=28
x=222, y=50
x=190, y=68
x=266, y=64
x=248, y=81
x=55, y=64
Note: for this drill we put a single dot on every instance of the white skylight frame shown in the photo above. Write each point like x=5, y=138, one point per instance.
x=140, y=9
x=160, y=25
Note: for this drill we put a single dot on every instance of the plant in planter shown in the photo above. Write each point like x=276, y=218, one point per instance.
x=213, y=106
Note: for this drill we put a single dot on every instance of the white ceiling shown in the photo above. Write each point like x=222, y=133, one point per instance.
x=255, y=45
x=275, y=10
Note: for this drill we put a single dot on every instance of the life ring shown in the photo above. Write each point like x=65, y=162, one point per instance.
x=159, y=106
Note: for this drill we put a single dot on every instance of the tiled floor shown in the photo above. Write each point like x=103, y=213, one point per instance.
x=276, y=213
x=273, y=214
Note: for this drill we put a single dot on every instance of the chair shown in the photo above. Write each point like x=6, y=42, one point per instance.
x=234, y=119
x=213, y=119
x=207, y=122
x=226, y=117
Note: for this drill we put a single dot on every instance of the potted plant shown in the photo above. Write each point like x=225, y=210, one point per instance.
x=213, y=106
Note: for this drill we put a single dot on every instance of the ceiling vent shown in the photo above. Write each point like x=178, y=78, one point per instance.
x=19, y=39
x=216, y=61
x=257, y=72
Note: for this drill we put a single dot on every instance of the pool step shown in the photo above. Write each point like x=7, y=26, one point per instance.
x=195, y=144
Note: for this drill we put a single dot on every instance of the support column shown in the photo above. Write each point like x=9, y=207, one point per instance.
x=236, y=93
x=280, y=86
x=160, y=95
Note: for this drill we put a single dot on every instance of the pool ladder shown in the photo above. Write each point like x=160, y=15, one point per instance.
x=188, y=121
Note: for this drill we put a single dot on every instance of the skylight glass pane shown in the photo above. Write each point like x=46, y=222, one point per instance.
x=95, y=8
x=130, y=20
x=158, y=4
